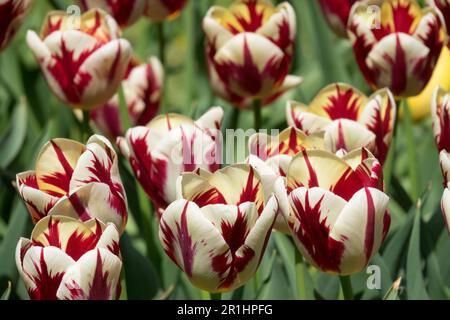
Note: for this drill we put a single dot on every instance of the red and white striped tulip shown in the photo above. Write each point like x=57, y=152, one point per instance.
x=445, y=207
x=125, y=12
x=84, y=60
x=66, y=259
x=336, y=213
x=337, y=13
x=440, y=115
x=349, y=119
x=250, y=47
x=444, y=7
x=159, y=10
x=75, y=180
x=218, y=231
x=12, y=14
x=402, y=51
x=170, y=145
x=143, y=87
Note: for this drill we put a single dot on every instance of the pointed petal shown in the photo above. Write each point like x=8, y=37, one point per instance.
x=348, y=135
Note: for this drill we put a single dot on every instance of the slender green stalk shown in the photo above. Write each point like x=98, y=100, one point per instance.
x=300, y=275
x=411, y=151
x=346, y=286
x=257, y=113
x=85, y=126
x=235, y=113
x=162, y=43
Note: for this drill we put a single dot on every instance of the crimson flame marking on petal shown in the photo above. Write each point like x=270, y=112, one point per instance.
x=59, y=179
x=313, y=181
x=381, y=127
x=403, y=20
x=398, y=68
x=339, y=9
x=121, y=10
x=314, y=235
x=188, y=151
x=47, y=284
x=211, y=196
x=100, y=288
x=443, y=139
x=444, y=7
x=342, y=106
x=341, y=145
x=250, y=192
x=254, y=21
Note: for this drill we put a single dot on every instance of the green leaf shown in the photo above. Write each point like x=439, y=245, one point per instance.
x=7, y=292
x=141, y=278
x=12, y=141
x=393, y=292
x=415, y=283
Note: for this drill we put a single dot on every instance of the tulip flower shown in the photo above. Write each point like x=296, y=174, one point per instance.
x=349, y=119
x=125, y=12
x=402, y=51
x=83, y=60
x=218, y=231
x=159, y=10
x=250, y=47
x=12, y=14
x=143, y=85
x=168, y=146
x=335, y=211
x=336, y=13
x=75, y=180
x=444, y=7
x=445, y=207
x=66, y=259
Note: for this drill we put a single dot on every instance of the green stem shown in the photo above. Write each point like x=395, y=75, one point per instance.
x=300, y=275
x=235, y=118
x=346, y=286
x=210, y=296
x=411, y=151
x=85, y=126
x=162, y=43
x=256, y=283
x=257, y=113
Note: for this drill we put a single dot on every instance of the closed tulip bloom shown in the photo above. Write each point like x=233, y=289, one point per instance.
x=337, y=215
x=336, y=13
x=348, y=119
x=159, y=10
x=143, y=87
x=444, y=7
x=12, y=14
x=66, y=259
x=401, y=52
x=168, y=146
x=83, y=60
x=250, y=47
x=125, y=12
x=218, y=231
x=75, y=180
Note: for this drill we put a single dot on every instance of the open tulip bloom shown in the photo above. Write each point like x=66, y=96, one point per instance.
x=335, y=209
x=159, y=10
x=12, y=14
x=143, y=87
x=66, y=259
x=401, y=52
x=125, y=12
x=170, y=145
x=250, y=47
x=218, y=230
x=75, y=180
x=83, y=61
x=440, y=114
x=348, y=119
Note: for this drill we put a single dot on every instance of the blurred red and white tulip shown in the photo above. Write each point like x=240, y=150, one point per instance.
x=83, y=60
x=12, y=14
x=218, y=231
x=335, y=209
x=337, y=13
x=66, y=259
x=249, y=48
x=348, y=119
x=125, y=12
x=399, y=47
x=440, y=115
x=445, y=207
x=159, y=10
x=444, y=7
x=75, y=180
x=170, y=145
x=143, y=87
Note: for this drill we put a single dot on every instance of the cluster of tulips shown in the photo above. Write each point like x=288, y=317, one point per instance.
x=320, y=180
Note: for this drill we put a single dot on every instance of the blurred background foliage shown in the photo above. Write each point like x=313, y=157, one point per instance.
x=417, y=248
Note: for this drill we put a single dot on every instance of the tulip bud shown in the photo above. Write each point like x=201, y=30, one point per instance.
x=75, y=180
x=125, y=12
x=168, y=146
x=159, y=10
x=12, y=14
x=348, y=119
x=66, y=259
x=400, y=48
x=83, y=60
x=335, y=211
x=218, y=231
x=142, y=86
x=249, y=48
